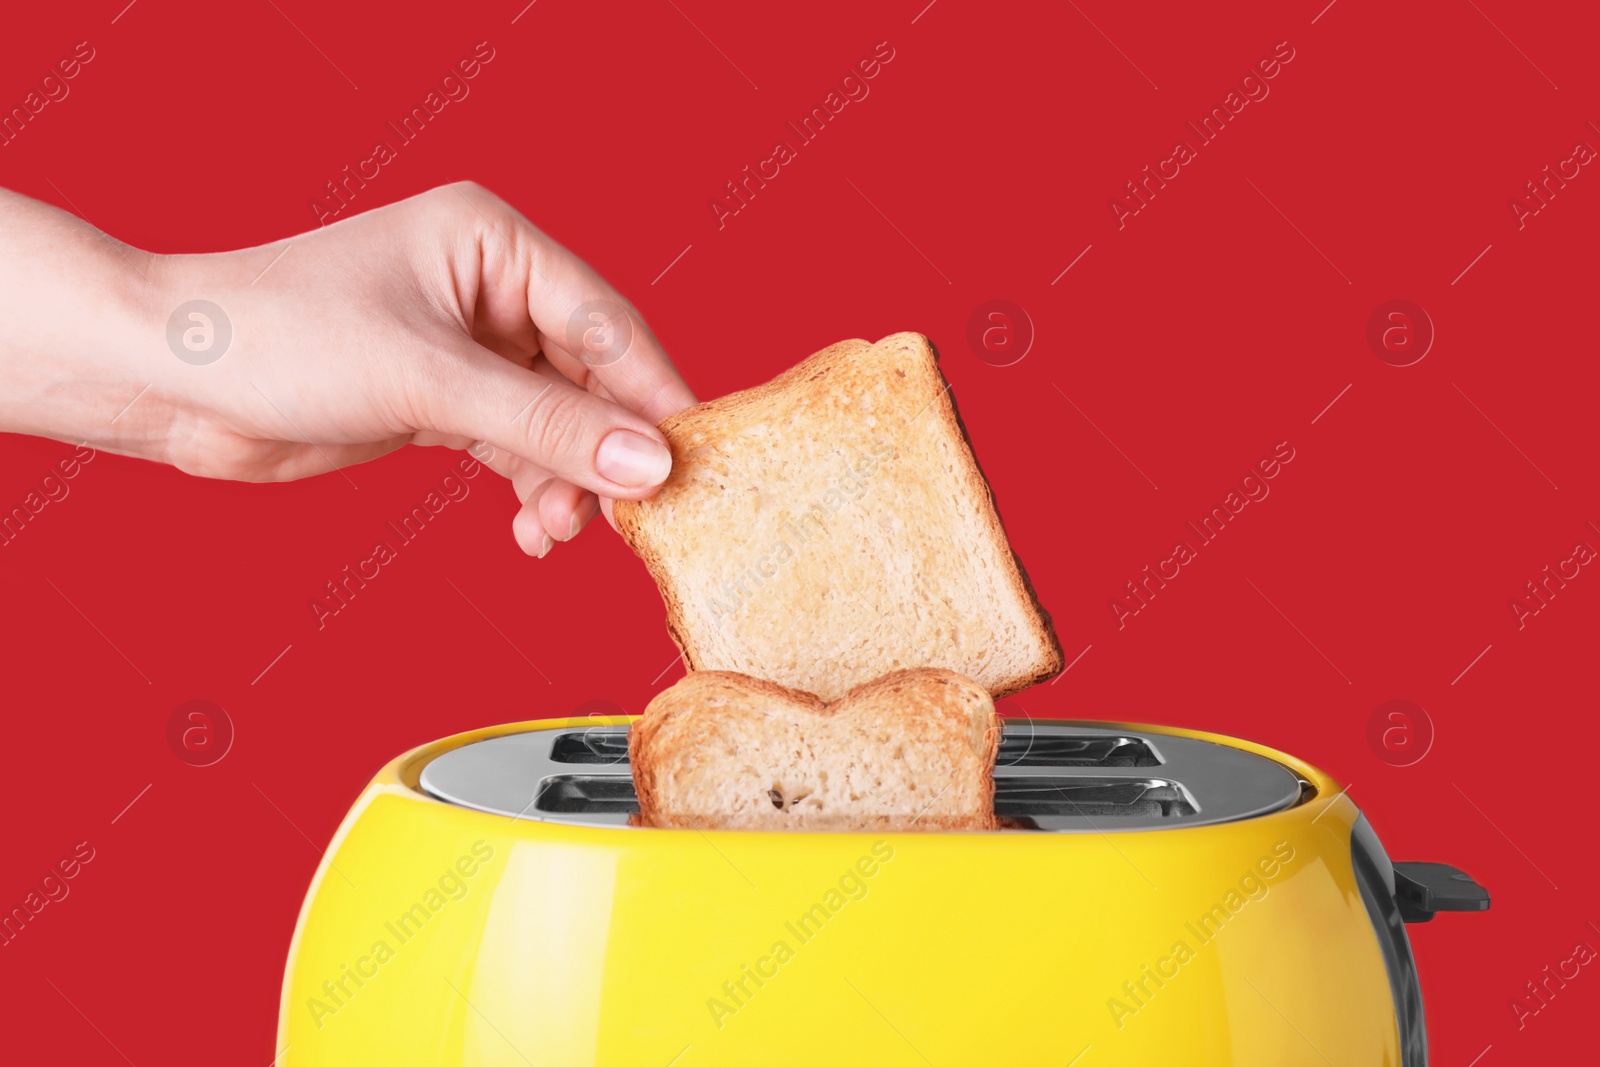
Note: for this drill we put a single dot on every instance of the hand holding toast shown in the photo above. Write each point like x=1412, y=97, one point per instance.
x=446, y=319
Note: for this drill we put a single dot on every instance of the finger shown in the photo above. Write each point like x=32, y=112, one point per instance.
x=609, y=338
x=529, y=483
x=498, y=459
x=574, y=435
x=560, y=508
x=666, y=400
x=528, y=276
x=555, y=503
x=565, y=509
x=551, y=508
x=530, y=533
x=524, y=475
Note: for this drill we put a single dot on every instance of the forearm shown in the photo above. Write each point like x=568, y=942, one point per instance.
x=81, y=314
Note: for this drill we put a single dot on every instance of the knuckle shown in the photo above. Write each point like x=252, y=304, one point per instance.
x=467, y=208
x=475, y=192
x=460, y=203
x=455, y=191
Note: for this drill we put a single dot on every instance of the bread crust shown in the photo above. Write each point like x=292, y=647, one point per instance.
x=674, y=732
x=1044, y=627
x=698, y=427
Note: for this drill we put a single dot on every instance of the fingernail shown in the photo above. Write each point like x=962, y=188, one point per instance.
x=632, y=459
x=573, y=527
x=544, y=549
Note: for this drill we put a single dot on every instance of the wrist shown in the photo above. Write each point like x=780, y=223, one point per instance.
x=80, y=308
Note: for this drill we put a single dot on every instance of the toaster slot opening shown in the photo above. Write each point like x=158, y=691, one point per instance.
x=1050, y=777
x=589, y=793
x=1017, y=749
x=1021, y=747
x=1111, y=798
x=1017, y=798
x=591, y=746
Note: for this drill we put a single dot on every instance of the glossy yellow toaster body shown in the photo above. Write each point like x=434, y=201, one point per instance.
x=436, y=933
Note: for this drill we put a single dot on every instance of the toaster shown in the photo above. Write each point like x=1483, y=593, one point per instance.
x=1156, y=895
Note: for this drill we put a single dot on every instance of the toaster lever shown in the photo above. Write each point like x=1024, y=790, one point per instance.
x=1425, y=889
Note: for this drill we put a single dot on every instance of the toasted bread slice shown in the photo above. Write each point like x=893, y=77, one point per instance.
x=832, y=526
x=913, y=750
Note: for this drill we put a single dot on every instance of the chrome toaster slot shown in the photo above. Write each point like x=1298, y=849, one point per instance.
x=1025, y=748
x=587, y=794
x=1097, y=798
x=1049, y=776
x=591, y=746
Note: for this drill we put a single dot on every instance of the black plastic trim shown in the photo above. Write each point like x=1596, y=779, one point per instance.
x=1375, y=875
x=1423, y=890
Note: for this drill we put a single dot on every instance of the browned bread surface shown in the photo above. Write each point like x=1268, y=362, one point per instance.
x=833, y=525
x=913, y=750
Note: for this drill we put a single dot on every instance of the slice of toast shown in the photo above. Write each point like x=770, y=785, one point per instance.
x=832, y=526
x=913, y=750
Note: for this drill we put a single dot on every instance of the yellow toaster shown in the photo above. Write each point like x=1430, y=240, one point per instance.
x=1158, y=896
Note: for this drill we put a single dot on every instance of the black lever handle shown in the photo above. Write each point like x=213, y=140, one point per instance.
x=1425, y=889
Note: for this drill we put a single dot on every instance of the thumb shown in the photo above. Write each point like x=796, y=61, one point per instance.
x=577, y=436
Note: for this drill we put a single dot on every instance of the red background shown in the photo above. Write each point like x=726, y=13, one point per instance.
x=1196, y=338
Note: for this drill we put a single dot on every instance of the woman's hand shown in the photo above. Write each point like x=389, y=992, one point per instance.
x=446, y=319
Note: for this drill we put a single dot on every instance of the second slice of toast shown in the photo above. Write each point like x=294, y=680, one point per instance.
x=914, y=750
